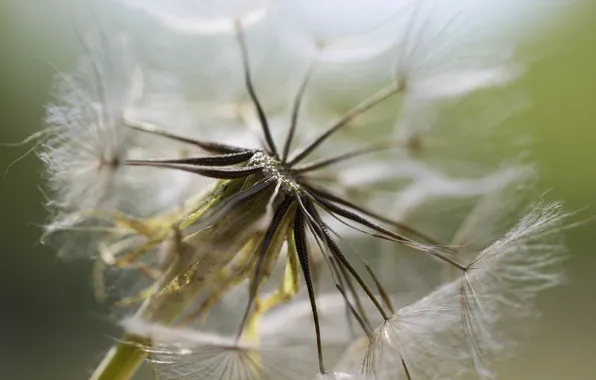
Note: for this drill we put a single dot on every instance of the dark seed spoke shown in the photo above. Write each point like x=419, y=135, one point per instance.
x=340, y=286
x=251, y=91
x=345, y=156
x=338, y=278
x=349, y=116
x=333, y=208
x=278, y=217
x=206, y=171
x=357, y=228
x=209, y=146
x=361, y=319
x=220, y=160
x=320, y=193
x=388, y=235
x=323, y=233
x=381, y=289
x=302, y=250
x=352, y=289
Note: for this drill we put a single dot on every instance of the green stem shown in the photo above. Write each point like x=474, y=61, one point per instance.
x=123, y=360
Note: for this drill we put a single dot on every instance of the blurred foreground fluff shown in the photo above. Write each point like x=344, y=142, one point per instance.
x=279, y=189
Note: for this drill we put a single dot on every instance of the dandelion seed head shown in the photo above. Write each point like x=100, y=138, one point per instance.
x=249, y=227
x=274, y=169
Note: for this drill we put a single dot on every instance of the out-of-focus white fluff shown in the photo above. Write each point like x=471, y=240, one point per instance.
x=203, y=17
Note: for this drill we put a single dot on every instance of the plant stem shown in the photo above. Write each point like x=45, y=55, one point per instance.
x=123, y=360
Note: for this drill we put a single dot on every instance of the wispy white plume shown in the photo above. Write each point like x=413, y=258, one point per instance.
x=459, y=327
x=185, y=354
x=85, y=155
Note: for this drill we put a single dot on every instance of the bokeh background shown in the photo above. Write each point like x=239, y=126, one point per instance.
x=51, y=328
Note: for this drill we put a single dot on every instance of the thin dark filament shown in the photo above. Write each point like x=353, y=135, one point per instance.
x=334, y=209
x=337, y=274
x=405, y=367
x=337, y=277
x=365, y=325
x=251, y=91
x=209, y=146
x=356, y=297
x=346, y=156
x=336, y=199
x=280, y=212
x=351, y=114
x=295, y=111
x=323, y=233
x=206, y=171
x=386, y=234
x=302, y=250
x=219, y=160
x=339, y=284
x=382, y=292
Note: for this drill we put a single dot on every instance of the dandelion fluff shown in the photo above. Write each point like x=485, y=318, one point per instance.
x=190, y=354
x=85, y=153
x=459, y=327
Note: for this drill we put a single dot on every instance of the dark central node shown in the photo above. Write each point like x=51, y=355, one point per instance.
x=273, y=168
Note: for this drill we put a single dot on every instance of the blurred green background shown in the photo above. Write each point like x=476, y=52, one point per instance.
x=50, y=325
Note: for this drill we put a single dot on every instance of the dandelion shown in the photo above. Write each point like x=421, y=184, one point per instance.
x=233, y=257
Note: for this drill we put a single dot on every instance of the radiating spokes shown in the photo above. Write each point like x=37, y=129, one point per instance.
x=323, y=233
x=346, y=156
x=315, y=191
x=356, y=111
